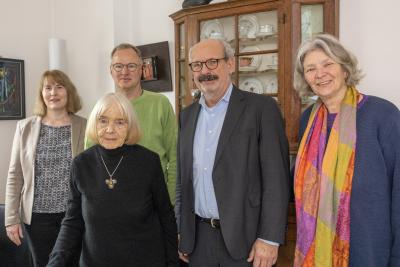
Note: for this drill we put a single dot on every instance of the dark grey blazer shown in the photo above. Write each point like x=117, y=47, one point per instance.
x=250, y=174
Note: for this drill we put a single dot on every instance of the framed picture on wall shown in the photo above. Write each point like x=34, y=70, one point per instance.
x=149, y=72
x=12, y=89
x=156, y=74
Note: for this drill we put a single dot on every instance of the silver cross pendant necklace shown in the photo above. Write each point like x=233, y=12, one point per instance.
x=110, y=182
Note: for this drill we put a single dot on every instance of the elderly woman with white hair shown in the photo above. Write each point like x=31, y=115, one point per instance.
x=119, y=208
x=347, y=175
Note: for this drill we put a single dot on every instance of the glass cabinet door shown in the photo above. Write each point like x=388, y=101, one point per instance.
x=312, y=23
x=221, y=28
x=184, y=97
x=254, y=38
x=258, y=55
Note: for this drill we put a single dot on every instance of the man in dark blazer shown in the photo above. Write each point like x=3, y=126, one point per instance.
x=233, y=169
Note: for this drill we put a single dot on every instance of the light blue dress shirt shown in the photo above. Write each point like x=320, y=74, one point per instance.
x=208, y=129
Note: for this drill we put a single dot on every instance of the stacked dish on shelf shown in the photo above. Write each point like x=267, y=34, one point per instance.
x=212, y=29
x=267, y=85
x=250, y=63
x=253, y=85
x=249, y=27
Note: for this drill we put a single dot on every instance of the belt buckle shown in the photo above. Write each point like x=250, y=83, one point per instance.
x=212, y=222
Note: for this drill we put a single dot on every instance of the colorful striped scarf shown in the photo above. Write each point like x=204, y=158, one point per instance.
x=323, y=179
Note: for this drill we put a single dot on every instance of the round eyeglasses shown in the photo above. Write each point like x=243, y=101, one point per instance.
x=118, y=67
x=211, y=64
x=104, y=122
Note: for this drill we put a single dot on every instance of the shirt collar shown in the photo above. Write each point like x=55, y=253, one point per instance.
x=225, y=98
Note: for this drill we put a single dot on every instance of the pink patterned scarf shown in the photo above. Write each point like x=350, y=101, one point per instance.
x=323, y=179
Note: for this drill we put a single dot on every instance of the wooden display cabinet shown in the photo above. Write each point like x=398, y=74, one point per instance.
x=265, y=35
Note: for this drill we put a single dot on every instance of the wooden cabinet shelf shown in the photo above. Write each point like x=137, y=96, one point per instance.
x=258, y=39
x=252, y=73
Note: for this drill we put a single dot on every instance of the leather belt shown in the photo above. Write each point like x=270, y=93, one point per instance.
x=214, y=223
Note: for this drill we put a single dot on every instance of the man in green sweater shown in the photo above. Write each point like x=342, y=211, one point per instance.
x=156, y=116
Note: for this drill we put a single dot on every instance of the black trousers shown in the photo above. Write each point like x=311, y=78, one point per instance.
x=210, y=249
x=42, y=235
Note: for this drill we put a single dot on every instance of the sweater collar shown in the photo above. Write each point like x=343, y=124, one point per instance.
x=112, y=153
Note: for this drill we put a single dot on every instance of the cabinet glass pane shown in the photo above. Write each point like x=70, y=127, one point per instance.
x=261, y=77
x=312, y=21
x=222, y=28
x=182, y=41
x=263, y=83
x=258, y=31
x=182, y=83
x=258, y=63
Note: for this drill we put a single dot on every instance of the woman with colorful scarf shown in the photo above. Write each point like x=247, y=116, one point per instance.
x=347, y=173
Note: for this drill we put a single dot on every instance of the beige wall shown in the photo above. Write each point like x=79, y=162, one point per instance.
x=92, y=27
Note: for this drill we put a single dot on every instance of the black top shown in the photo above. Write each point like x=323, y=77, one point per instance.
x=132, y=224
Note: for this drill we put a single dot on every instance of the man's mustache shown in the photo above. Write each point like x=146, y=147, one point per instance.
x=208, y=77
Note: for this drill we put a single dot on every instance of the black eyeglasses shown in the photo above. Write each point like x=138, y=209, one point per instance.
x=211, y=64
x=118, y=67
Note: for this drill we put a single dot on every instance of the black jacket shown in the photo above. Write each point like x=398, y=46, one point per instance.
x=132, y=224
x=250, y=174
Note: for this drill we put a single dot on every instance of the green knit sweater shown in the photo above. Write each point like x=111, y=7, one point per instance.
x=159, y=132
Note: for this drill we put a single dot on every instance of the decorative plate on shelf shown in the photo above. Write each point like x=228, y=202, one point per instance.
x=271, y=86
x=252, y=85
x=256, y=59
x=212, y=29
x=248, y=26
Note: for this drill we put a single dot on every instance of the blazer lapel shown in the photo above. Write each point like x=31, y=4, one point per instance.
x=75, y=133
x=34, y=137
x=192, y=118
x=235, y=108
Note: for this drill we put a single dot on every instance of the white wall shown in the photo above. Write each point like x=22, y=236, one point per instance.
x=87, y=27
x=91, y=28
x=144, y=22
x=371, y=30
x=23, y=36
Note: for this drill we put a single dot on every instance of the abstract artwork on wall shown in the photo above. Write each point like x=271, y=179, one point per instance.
x=12, y=89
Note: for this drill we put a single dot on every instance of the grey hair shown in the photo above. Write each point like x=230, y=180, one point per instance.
x=331, y=46
x=124, y=105
x=228, y=50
